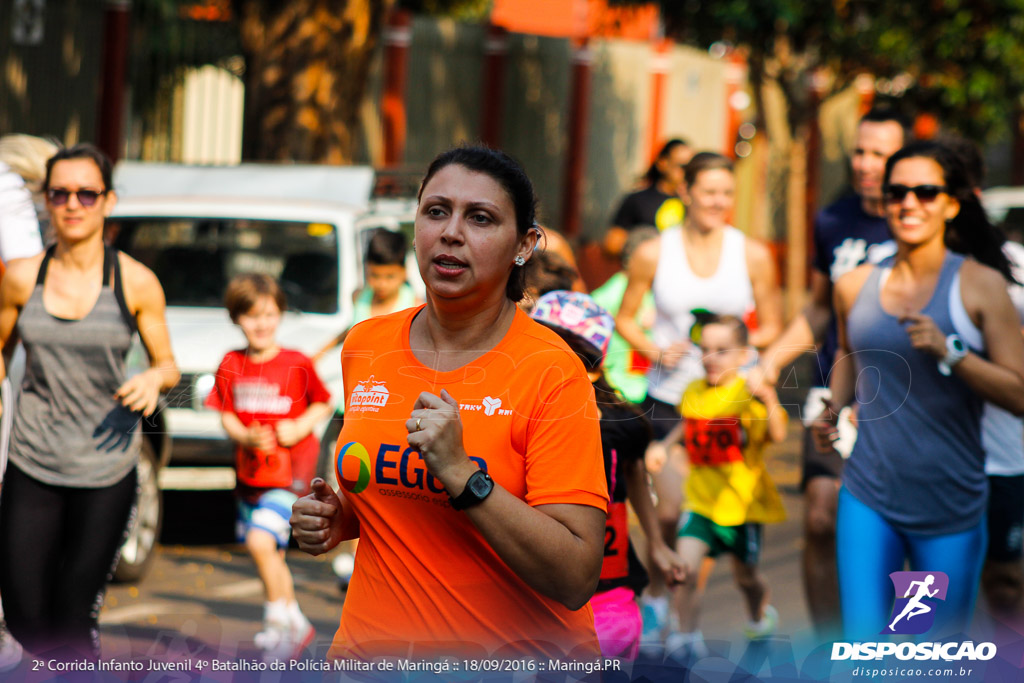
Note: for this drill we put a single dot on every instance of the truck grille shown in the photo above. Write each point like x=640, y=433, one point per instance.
x=183, y=394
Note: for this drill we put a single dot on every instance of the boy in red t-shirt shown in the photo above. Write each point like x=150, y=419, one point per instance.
x=270, y=399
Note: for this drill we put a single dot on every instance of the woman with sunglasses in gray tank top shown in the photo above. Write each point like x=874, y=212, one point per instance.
x=70, y=484
x=924, y=338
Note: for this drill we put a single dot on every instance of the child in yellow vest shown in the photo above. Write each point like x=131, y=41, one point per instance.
x=727, y=421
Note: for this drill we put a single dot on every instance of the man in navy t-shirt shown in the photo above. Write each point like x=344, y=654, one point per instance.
x=847, y=233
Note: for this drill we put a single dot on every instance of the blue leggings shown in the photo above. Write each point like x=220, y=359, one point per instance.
x=868, y=549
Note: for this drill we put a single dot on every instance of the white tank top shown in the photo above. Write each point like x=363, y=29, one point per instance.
x=1002, y=433
x=678, y=292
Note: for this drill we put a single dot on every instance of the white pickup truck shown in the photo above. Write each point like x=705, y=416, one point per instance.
x=197, y=227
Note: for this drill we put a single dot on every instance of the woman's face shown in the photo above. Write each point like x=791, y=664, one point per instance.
x=72, y=220
x=466, y=237
x=671, y=166
x=918, y=216
x=710, y=200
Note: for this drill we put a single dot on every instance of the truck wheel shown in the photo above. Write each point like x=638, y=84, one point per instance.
x=140, y=547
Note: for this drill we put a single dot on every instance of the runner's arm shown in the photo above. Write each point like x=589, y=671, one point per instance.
x=640, y=277
x=803, y=332
x=1000, y=378
x=767, y=294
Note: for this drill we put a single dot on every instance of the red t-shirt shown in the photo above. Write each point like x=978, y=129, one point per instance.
x=426, y=582
x=278, y=389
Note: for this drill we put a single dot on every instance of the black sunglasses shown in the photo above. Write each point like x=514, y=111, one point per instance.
x=59, y=196
x=924, y=193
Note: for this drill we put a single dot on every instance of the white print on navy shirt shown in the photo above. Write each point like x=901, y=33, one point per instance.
x=853, y=252
x=370, y=393
x=490, y=406
x=261, y=397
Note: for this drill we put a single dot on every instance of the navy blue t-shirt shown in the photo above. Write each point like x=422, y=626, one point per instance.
x=845, y=236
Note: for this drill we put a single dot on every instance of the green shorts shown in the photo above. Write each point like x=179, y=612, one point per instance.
x=743, y=541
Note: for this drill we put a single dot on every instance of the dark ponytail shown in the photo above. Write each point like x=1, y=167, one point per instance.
x=653, y=174
x=970, y=232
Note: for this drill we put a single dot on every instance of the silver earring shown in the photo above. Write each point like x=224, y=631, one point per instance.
x=520, y=261
x=414, y=246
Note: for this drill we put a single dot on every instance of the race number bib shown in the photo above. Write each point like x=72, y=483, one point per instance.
x=714, y=442
x=616, y=543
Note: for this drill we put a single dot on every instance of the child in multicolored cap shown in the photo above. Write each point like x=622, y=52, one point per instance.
x=727, y=421
x=625, y=433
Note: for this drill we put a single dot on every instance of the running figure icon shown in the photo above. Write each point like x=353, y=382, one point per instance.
x=914, y=606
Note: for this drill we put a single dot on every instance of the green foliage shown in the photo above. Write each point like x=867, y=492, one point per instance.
x=966, y=58
x=960, y=59
x=463, y=10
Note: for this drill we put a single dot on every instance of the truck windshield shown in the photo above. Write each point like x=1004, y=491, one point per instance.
x=194, y=258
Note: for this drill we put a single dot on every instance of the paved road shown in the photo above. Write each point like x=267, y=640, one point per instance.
x=202, y=599
x=208, y=595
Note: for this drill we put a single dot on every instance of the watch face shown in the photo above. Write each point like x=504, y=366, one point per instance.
x=958, y=345
x=480, y=485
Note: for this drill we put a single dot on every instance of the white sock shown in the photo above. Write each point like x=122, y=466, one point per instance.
x=296, y=618
x=276, y=612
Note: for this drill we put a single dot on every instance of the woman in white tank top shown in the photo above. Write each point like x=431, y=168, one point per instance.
x=704, y=264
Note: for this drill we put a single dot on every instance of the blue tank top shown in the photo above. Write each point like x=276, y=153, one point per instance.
x=918, y=459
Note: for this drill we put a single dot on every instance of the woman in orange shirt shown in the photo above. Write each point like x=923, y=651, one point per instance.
x=470, y=461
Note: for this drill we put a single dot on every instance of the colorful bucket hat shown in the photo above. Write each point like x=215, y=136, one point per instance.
x=576, y=313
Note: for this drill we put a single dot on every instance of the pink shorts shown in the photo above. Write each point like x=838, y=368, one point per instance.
x=617, y=621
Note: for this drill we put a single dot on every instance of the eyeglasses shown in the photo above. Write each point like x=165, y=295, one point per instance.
x=924, y=193
x=58, y=196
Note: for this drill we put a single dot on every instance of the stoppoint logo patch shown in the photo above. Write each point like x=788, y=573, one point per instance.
x=917, y=597
x=353, y=467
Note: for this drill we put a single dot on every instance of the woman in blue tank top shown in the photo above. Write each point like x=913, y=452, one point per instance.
x=925, y=337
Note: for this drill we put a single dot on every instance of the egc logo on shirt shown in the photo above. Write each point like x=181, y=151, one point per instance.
x=395, y=466
x=353, y=467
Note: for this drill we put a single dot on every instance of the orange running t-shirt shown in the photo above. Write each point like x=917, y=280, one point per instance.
x=426, y=583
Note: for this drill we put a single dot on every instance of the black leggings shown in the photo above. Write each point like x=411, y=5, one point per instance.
x=58, y=546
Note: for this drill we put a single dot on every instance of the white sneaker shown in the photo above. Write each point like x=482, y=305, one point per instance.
x=683, y=646
x=275, y=640
x=302, y=637
x=10, y=649
x=654, y=615
x=765, y=627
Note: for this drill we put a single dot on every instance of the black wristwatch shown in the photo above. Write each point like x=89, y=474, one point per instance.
x=478, y=486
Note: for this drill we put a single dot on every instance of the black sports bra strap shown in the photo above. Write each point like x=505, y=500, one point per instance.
x=112, y=255
x=106, y=265
x=41, y=277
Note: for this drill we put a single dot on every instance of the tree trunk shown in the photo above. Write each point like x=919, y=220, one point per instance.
x=307, y=63
x=796, y=223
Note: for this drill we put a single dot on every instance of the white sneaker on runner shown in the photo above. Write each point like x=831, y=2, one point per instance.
x=301, y=639
x=10, y=649
x=682, y=646
x=275, y=640
x=765, y=627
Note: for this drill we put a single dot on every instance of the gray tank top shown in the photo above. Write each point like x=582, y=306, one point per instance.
x=918, y=459
x=68, y=429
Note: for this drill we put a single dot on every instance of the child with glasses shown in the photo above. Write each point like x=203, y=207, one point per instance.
x=727, y=420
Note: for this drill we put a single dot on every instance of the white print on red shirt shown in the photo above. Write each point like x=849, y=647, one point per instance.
x=260, y=397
